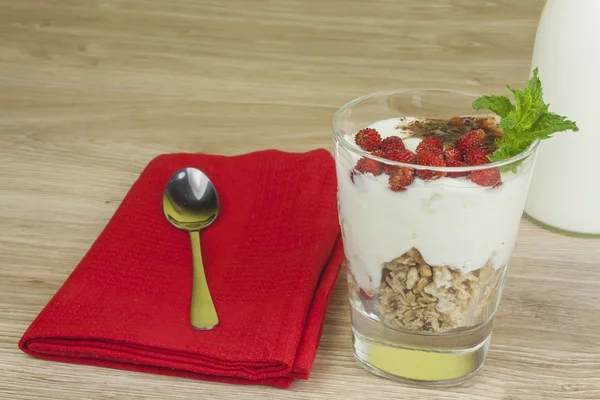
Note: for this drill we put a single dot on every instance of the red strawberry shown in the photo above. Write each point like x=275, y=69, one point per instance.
x=368, y=139
x=486, y=177
x=485, y=150
x=392, y=144
x=455, y=163
x=401, y=178
x=452, y=153
x=471, y=139
x=432, y=158
x=379, y=153
x=476, y=156
x=366, y=165
x=429, y=144
x=405, y=156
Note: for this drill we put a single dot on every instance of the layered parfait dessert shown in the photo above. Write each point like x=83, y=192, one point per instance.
x=430, y=209
x=413, y=237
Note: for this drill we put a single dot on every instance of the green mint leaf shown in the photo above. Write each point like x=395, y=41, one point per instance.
x=500, y=105
x=530, y=103
x=509, y=123
x=498, y=155
x=549, y=123
x=524, y=122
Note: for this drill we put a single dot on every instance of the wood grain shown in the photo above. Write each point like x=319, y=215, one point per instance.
x=91, y=90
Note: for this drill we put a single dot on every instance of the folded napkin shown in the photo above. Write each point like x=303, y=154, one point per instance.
x=271, y=260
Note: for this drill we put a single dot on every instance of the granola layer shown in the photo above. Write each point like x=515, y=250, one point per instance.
x=416, y=296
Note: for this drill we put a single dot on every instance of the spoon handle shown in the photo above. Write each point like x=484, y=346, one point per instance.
x=203, y=313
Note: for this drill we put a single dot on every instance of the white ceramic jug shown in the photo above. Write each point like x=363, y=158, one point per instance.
x=565, y=187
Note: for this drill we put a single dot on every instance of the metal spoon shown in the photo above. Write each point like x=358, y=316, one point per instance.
x=190, y=203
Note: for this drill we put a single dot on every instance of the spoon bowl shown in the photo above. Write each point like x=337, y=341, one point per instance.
x=190, y=200
x=191, y=203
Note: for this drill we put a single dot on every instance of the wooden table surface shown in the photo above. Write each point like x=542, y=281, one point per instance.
x=91, y=90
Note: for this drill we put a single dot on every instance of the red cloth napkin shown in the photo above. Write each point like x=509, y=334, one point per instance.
x=271, y=259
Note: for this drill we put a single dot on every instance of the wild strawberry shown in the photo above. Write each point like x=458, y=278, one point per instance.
x=392, y=144
x=455, y=163
x=452, y=153
x=401, y=178
x=486, y=177
x=471, y=139
x=485, y=150
x=430, y=144
x=432, y=158
x=405, y=156
x=368, y=139
x=366, y=165
x=476, y=156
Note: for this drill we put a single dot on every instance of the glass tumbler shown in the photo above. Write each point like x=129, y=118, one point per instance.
x=425, y=265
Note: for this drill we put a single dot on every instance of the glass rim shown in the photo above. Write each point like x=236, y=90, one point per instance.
x=360, y=152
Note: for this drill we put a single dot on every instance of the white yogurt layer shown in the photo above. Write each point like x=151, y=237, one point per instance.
x=451, y=221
